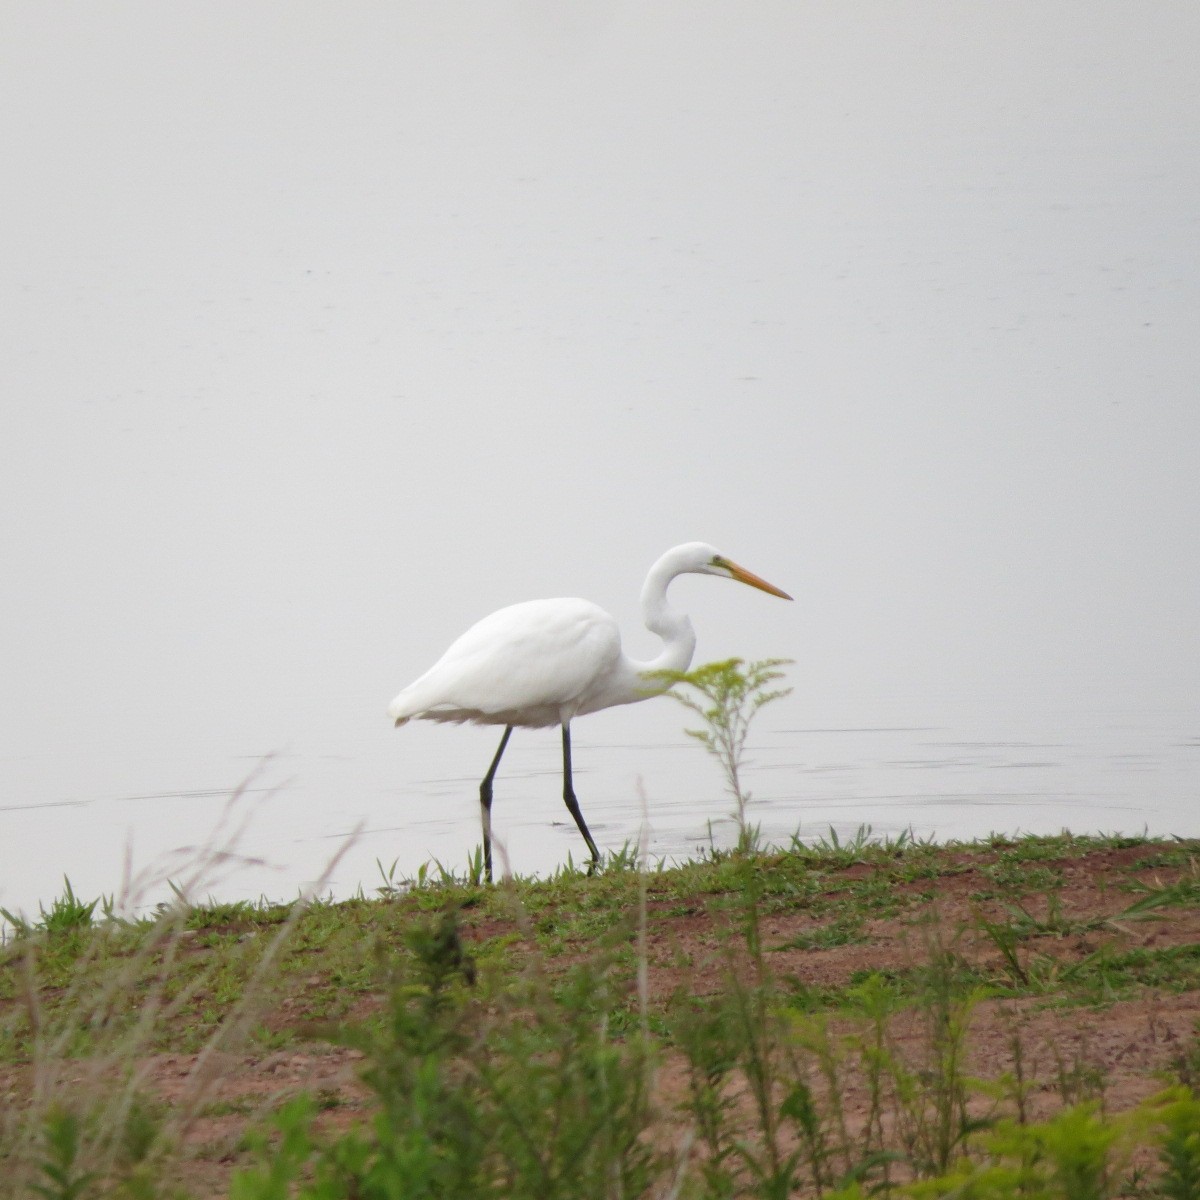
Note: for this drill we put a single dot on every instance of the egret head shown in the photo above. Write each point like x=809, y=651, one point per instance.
x=704, y=559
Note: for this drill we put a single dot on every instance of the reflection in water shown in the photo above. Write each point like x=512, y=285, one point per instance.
x=45, y=804
x=193, y=794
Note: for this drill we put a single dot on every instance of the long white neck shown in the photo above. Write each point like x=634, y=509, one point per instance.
x=679, y=639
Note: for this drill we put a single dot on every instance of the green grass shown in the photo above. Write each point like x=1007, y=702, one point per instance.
x=209, y=952
x=485, y=1014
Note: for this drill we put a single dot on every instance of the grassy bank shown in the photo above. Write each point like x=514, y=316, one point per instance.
x=994, y=1018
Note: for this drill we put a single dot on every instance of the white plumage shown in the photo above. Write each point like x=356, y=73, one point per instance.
x=546, y=662
x=499, y=671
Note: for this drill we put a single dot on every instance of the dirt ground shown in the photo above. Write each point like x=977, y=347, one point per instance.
x=1124, y=1048
x=1121, y=1049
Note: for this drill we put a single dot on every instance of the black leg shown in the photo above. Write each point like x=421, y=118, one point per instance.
x=485, y=803
x=572, y=803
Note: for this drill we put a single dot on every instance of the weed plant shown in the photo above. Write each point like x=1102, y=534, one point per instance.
x=727, y=696
x=541, y=1066
x=765, y=1109
x=86, y=998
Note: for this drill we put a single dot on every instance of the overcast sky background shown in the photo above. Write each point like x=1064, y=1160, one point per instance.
x=329, y=328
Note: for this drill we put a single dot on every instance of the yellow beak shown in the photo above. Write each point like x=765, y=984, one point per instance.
x=744, y=576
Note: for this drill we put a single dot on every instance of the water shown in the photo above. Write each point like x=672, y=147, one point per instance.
x=324, y=338
x=294, y=812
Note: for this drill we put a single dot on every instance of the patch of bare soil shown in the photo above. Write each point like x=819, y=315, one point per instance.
x=241, y=1090
x=1129, y=1044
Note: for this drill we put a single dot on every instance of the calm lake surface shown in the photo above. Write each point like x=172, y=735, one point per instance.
x=296, y=813
x=325, y=337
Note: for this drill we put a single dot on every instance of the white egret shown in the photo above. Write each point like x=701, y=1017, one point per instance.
x=546, y=662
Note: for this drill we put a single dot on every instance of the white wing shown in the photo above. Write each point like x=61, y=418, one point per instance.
x=535, y=664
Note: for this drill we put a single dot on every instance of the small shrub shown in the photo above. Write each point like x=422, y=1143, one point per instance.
x=731, y=693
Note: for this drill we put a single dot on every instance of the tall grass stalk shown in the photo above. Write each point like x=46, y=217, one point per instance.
x=86, y=1124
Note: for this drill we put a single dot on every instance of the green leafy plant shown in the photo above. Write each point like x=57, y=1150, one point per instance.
x=519, y=1093
x=730, y=695
x=1180, y=1148
x=62, y=1178
x=65, y=914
